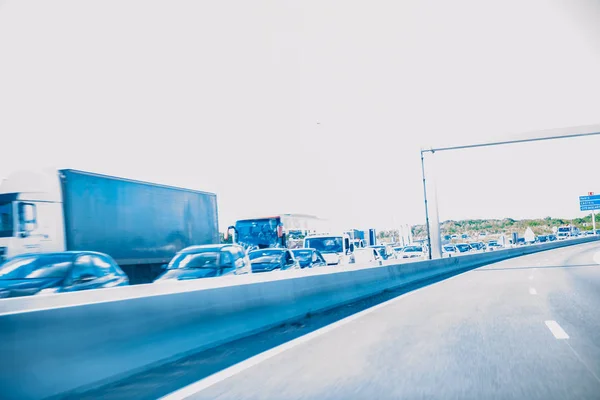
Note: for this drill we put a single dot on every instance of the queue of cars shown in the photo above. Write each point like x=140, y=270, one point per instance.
x=71, y=271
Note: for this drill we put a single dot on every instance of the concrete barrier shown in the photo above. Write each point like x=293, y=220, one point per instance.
x=54, y=344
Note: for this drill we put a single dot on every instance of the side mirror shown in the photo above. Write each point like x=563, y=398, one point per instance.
x=164, y=266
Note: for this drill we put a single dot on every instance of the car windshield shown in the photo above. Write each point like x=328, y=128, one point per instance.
x=413, y=249
x=261, y=232
x=463, y=247
x=37, y=267
x=303, y=254
x=6, y=218
x=265, y=256
x=205, y=259
x=326, y=244
x=449, y=248
x=564, y=229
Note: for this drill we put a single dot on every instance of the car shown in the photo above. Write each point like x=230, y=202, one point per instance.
x=383, y=251
x=541, y=238
x=412, y=252
x=493, y=245
x=368, y=255
x=588, y=233
x=271, y=259
x=206, y=261
x=397, y=250
x=477, y=246
x=463, y=248
x=60, y=272
x=449, y=250
x=552, y=238
x=309, y=258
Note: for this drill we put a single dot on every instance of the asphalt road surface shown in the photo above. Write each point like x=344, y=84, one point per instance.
x=526, y=328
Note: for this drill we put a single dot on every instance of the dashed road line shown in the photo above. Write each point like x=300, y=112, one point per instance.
x=556, y=330
x=532, y=291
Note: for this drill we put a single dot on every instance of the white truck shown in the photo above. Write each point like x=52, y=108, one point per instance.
x=336, y=249
x=567, y=231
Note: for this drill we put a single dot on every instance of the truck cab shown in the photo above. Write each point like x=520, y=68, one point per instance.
x=336, y=249
x=31, y=214
x=565, y=232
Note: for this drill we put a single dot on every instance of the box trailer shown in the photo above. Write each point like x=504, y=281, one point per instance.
x=140, y=224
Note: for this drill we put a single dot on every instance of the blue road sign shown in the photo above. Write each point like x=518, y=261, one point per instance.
x=589, y=203
x=589, y=208
x=595, y=197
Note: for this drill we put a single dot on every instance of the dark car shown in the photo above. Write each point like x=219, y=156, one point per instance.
x=309, y=258
x=266, y=260
x=463, y=248
x=476, y=246
x=493, y=245
x=552, y=238
x=206, y=261
x=69, y=271
x=542, y=239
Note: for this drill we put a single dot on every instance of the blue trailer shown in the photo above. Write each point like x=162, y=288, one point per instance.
x=141, y=225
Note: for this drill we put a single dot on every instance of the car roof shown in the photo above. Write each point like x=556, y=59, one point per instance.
x=326, y=235
x=56, y=253
x=270, y=249
x=215, y=247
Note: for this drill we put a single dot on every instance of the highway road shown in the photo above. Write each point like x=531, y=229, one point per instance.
x=526, y=328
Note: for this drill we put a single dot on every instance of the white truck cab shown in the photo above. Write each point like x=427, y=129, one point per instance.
x=336, y=249
x=31, y=219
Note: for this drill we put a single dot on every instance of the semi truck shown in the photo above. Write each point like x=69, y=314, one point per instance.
x=141, y=225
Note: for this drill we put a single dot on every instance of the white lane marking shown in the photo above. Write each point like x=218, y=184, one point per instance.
x=556, y=330
x=235, y=369
x=532, y=291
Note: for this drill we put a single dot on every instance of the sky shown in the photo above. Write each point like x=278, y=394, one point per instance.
x=316, y=107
